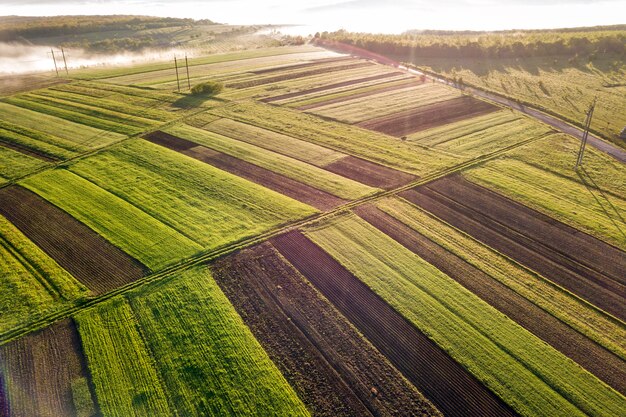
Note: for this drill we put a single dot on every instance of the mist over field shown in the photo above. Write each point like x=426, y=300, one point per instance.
x=20, y=58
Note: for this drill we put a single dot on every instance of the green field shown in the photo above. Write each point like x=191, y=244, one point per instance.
x=273, y=141
x=300, y=171
x=365, y=108
x=541, y=175
x=16, y=164
x=179, y=348
x=75, y=136
x=32, y=284
x=524, y=371
x=143, y=237
x=351, y=140
x=208, y=206
x=481, y=135
x=560, y=303
x=123, y=373
x=552, y=83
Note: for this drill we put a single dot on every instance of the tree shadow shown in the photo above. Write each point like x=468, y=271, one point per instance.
x=189, y=101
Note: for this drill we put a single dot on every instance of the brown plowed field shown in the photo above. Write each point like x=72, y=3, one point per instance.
x=39, y=370
x=331, y=366
x=295, y=75
x=584, y=265
x=82, y=252
x=448, y=385
x=331, y=86
x=426, y=117
x=303, y=65
x=369, y=173
x=591, y=356
x=410, y=83
x=272, y=180
x=27, y=151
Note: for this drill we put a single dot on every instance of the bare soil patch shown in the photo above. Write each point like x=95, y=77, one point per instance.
x=429, y=116
x=90, y=258
x=408, y=84
x=580, y=263
x=269, y=179
x=39, y=371
x=295, y=75
x=303, y=65
x=331, y=366
x=447, y=384
x=369, y=173
x=331, y=86
x=591, y=356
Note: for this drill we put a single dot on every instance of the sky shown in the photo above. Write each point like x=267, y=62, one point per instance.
x=391, y=16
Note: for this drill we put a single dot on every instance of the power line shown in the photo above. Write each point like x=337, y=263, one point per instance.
x=177, y=80
x=583, y=141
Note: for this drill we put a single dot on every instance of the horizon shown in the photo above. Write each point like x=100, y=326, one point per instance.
x=352, y=15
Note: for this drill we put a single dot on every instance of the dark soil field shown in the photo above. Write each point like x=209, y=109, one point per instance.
x=369, y=173
x=303, y=65
x=333, y=369
x=40, y=369
x=90, y=258
x=26, y=151
x=408, y=84
x=426, y=117
x=330, y=87
x=449, y=386
x=295, y=75
x=584, y=265
x=591, y=356
x=272, y=180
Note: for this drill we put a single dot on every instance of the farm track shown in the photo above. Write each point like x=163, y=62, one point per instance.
x=408, y=84
x=272, y=180
x=369, y=173
x=542, y=244
x=27, y=151
x=451, y=388
x=330, y=87
x=41, y=368
x=303, y=65
x=90, y=258
x=296, y=75
x=429, y=116
x=324, y=358
x=591, y=356
x=206, y=256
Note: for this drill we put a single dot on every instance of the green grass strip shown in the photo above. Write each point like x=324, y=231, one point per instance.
x=209, y=360
x=132, y=230
x=123, y=373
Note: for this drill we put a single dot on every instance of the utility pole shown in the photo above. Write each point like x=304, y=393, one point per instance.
x=64, y=62
x=55, y=62
x=583, y=142
x=187, y=66
x=177, y=80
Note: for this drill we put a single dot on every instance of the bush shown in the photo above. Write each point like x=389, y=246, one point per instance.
x=210, y=88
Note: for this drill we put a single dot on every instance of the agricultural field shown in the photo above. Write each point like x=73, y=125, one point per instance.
x=328, y=236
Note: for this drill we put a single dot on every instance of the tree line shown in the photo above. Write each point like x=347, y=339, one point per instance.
x=17, y=28
x=505, y=44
